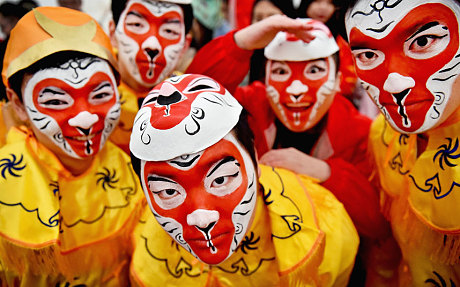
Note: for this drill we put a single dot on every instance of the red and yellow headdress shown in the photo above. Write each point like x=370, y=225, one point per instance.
x=48, y=30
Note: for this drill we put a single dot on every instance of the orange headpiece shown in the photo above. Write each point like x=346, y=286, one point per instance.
x=48, y=30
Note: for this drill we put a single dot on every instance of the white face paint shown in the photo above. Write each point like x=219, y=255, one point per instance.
x=406, y=54
x=75, y=105
x=151, y=37
x=205, y=201
x=301, y=93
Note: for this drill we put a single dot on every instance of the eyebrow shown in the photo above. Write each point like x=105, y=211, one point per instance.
x=174, y=21
x=135, y=14
x=360, y=48
x=423, y=28
x=49, y=90
x=103, y=85
x=225, y=160
x=155, y=178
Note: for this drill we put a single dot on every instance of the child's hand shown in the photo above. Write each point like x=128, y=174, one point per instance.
x=298, y=162
x=258, y=35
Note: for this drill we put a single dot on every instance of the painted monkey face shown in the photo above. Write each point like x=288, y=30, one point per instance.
x=151, y=37
x=301, y=93
x=406, y=54
x=75, y=105
x=204, y=200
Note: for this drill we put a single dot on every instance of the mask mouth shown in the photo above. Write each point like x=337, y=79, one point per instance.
x=399, y=99
x=298, y=107
x=87, y=134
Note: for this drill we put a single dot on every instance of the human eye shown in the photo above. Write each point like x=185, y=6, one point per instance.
x=170, y=30
x=367, y=59
x=136, y=24
x=316, y=69
x=427, y=43
x=167, y=193
x=224, y=177
x=279, y=72
x=54, y=98
x=101, y=94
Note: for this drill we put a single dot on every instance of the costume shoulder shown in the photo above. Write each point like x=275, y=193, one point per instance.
x=310, y=228
x=222, y=60
x=47, y=197
x=58, y=227
x=345, y=121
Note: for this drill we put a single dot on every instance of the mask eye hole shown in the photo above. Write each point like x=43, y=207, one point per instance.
x=427, y=43
x=368, y=59
x=167, y=193
x=202, y=84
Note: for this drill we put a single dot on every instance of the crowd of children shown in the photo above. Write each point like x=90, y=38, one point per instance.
x=172, y=150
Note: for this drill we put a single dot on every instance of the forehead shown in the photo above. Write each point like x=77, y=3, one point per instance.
x=156, y=8
x=228, y=146
x=75, y=72
x=378, y=18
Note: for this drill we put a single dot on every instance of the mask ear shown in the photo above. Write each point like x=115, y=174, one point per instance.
x=18, y=106
x=113, y=38
x=188, y=41
x=338, y=80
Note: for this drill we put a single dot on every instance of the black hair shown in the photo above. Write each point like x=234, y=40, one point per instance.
x=285, y=6
x=343, y=6
x=119, y=5
x=52, y=61
x=9, y=9
x=242, y=132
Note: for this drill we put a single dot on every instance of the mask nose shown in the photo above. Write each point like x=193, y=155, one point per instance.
x=296, y=89
x=151, y=53
x=396, y=83
x=83, y=120
x=151, y=48
x=203, y=219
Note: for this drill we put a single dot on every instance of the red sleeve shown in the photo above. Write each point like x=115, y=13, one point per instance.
x=359, y=198
x=243, y=12
x=222, y=60
x=350, y=166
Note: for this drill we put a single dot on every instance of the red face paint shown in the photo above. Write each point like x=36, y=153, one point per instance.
x=298, y=85
x=96, y=97
x=167, y=111
x=153, y=35
x=419, y=46
x=214, y=184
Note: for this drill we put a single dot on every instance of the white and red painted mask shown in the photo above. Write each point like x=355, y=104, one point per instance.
x=406, y=54
x=199, y=181
x=301, y=77
x=301, y=93
x=151, y=38
x=75, y=105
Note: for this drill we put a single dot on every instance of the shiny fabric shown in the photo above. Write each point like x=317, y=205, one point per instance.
x=56, y=228
x=421, y=199
x=301, y=236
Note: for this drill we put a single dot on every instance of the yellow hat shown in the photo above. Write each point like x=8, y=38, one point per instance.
x=48, y=30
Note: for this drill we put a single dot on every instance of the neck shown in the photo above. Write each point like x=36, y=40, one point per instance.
x=76, y=166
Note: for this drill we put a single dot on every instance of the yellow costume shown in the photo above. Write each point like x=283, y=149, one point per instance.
x=421, y=198
x=57, y=228
x=300, y=236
